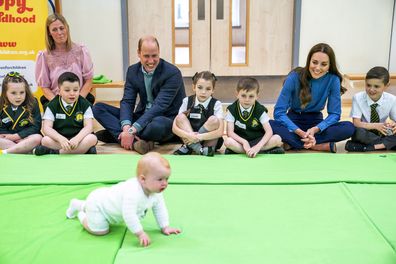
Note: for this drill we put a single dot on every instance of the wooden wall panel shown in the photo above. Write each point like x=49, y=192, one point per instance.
x=270, y=39
x=200, y=41
x=152, y=17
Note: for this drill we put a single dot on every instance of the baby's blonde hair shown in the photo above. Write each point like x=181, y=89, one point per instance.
x=149, y=161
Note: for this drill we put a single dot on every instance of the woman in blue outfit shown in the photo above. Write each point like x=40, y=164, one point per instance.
x=298, y=111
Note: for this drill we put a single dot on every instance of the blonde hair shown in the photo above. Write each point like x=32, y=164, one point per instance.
x=150, y=160
x=49, y=41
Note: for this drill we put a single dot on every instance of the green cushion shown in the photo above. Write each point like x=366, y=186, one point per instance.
x=262, y=224
x=232, y=209
x=34, y=228
x=379, y=203
x=221, y=169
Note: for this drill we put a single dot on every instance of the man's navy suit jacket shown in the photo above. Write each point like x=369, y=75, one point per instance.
x=167, y=88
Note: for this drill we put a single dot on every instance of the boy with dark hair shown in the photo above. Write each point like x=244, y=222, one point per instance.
x=68, y=121
x=370, y=112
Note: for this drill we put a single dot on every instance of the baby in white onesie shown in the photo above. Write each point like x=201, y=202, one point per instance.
x=128, y=201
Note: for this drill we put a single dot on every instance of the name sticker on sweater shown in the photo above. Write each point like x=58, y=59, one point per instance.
x=6, y=120
x=240, y=125
x=60, y=116
x=195, y=115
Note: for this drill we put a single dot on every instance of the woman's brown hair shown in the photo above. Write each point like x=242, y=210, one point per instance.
x=305, y=75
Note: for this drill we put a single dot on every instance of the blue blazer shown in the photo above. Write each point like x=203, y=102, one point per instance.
x=167, y=88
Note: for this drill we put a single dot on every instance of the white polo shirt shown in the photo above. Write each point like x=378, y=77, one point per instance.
x=361, y=103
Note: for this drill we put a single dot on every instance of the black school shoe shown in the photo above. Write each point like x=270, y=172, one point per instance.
x=351, y=146
x=105, y=136
x=91, y=150
x=276, y=150
x=42, y=150
x=228, y=151
x=208, y=151
x=183, y=150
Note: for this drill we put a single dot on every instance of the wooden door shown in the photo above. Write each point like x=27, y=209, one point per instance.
x=268, y=35
x=269, y=39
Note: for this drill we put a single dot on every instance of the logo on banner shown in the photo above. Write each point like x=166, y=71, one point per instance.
x=20, y=7
x=22, y=27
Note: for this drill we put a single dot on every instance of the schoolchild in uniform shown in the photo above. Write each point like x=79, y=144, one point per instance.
x=374, y=114
x=248, y=127
x=68, y=121
x=200, y=120
x=20, y=119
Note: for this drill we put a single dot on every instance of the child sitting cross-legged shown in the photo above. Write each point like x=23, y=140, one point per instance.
x=68, y=121
x=248, y=127
x=374, y=114
x=200, y=120
x=20, y=119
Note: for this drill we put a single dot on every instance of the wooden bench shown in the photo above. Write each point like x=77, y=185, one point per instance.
x=356, y=83
x=361, y=77
x=111, y=85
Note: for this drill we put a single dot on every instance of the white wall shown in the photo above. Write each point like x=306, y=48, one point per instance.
x=358, y=30
x=97, y=24
x=392, y=62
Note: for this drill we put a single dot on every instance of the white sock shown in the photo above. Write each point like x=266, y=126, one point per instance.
x=75, y=206
x=4, y=151
x=81, y=216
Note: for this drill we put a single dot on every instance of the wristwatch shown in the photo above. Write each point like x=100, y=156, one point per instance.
x=131, y=132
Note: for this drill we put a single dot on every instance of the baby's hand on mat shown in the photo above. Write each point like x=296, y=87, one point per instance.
x=144, y=239
x=170, y=230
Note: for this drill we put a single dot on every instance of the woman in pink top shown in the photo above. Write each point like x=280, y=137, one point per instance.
x=62, y=55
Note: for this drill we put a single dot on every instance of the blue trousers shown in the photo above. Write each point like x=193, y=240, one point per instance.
x=159, y=129
x=334, y=133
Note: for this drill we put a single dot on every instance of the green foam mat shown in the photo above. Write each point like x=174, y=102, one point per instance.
x=34, y=228
x=378, y=201
x=262, y=224
x=66, y=169
x=221, y=169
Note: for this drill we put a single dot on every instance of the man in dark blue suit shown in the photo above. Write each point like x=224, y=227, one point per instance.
x=160, y=87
